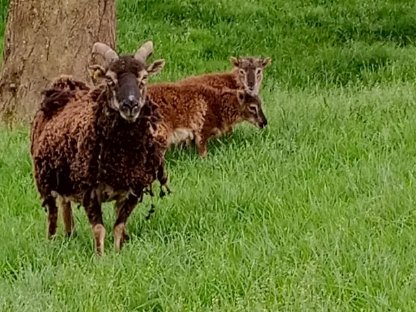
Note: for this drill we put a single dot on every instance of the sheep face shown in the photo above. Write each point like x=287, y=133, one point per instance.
x=126, y=80
x=250, y=71
x=251, y=109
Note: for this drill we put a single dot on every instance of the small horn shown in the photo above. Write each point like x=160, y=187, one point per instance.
x=104, y=50
x=144, y=51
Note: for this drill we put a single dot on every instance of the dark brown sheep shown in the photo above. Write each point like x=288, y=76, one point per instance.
x=92, y=145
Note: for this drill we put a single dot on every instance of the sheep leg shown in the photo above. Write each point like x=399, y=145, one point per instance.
x=152, y=206
x=151, y=211
x=163, y=180
x=201, y=143
x=124, y=209
x=164, y=190
x=68, y=217
x=52, y=209
x=93, y=209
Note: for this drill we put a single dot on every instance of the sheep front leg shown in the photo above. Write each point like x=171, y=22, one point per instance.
x=124, y=209
x=93, y=208
x=201, y=143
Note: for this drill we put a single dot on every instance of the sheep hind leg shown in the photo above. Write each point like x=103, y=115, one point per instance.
x=124, y=209
x=93, y=209
x=163, y=180
x=52, y=210
x=67, y=217
x=151, y=211
x=228, y=131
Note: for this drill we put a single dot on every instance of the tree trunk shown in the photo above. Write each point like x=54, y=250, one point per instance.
x=44, y=39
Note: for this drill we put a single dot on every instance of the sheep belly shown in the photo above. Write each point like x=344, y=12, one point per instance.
x=181, y=135
x=106, y=193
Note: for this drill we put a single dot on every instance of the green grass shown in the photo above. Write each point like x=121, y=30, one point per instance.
x=315, y=213
x=325, y=43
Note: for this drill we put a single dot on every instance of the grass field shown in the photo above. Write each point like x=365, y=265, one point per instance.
x=315, y=213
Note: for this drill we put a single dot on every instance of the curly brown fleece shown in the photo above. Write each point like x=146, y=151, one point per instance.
x=79, y=145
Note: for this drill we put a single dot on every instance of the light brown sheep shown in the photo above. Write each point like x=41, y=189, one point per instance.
x=247, y=74
x=199, y=112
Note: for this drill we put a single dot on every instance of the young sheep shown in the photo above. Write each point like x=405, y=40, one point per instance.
x=198, y=112
x=227, y=108
x=247, y=74
x=92, y=145
x=182, y=110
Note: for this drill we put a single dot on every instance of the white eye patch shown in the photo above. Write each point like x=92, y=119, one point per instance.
x=114, y=102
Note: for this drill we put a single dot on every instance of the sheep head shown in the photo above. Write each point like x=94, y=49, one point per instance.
x=126, y=78
x=251, y=108
x=250, y=71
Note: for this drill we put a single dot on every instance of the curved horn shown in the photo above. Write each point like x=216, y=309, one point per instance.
x=144, y=51
x=104, y=50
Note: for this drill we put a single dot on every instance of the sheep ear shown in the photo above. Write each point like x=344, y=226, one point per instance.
x=96, y=73
x=234, y=61
x=155, y=67
x=266, y=62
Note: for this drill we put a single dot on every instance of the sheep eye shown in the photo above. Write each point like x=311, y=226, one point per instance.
x=253, y=109
x=110, y=80
x=242, y=72
x=143, y=80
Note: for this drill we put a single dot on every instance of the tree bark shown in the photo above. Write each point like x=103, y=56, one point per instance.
x=44, y=39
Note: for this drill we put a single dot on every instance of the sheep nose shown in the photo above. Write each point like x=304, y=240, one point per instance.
x=131, y=101
x=263, y=124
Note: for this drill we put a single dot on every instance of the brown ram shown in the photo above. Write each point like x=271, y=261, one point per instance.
x=92, y=145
